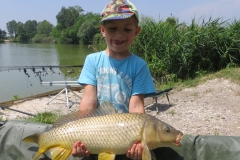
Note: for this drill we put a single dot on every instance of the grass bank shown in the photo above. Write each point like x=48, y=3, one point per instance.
x=232, y=74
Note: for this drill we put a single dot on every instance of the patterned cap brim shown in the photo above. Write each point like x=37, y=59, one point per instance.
x=120, y=16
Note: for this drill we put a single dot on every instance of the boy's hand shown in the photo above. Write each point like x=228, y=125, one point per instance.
x=135, y=152
x=79, y=150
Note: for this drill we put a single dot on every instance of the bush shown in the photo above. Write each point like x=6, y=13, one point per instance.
x=45, y=117
x=41, y=38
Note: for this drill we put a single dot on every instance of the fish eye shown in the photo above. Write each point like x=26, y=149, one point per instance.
x=167, y=129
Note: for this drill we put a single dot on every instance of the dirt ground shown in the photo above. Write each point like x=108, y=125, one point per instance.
x=212, y=108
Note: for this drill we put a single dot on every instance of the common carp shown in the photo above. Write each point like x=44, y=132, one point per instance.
x=106, y=133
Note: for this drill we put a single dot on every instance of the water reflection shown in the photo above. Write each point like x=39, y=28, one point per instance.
x=72, y=55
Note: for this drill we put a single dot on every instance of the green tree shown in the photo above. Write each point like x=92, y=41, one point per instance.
x=3, y=34
x=19, y=30
x=68, y=16
x=12, y=28
x=55, y=32
x=23, y=37
x=89, y=28
x=67, y=25
x=44, y=27
x=30, y=28
x=87, y=31
x=74, y=27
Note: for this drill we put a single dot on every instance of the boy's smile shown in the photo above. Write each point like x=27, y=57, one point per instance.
x=119, y=35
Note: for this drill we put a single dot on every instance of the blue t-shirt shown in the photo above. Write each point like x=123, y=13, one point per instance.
x=117, y=80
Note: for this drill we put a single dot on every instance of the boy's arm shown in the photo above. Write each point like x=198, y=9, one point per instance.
x=136, y=105
x=89, y=101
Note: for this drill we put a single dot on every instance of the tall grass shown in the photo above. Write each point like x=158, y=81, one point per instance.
x=180, y=51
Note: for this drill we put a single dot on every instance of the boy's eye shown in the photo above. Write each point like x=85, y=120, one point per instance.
x=115, y=28
x=128, y=30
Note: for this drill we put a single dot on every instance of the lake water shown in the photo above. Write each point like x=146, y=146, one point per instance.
x=16, y=82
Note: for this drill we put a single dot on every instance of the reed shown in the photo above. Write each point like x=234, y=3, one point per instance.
x=181, y=51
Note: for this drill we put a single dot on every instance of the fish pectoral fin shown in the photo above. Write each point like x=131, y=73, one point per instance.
x=153, y=155
x=146, y=155
x=106, y=156
x=59, y=153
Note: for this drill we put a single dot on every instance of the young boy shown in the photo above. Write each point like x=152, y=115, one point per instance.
x=116, y=74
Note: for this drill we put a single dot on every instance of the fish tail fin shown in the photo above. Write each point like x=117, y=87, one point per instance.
x=35, y=139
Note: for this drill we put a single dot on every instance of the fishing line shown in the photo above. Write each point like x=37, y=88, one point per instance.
x=52, y=72
x=27, y=81
x=45, y=78
x=27, y=76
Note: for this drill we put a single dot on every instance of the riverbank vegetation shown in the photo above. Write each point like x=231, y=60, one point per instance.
x=173, y=50
x=178, y=51
x=74, y=26
x=3, y=35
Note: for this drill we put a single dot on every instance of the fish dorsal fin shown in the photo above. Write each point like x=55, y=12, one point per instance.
x=106, y=108
x=106, y=156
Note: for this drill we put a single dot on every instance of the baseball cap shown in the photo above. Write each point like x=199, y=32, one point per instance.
x=119, y=9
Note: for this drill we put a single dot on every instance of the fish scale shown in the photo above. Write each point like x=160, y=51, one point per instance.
x=107, y=135
x=91, y=133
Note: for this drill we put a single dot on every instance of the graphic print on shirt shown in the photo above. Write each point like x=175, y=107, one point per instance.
x=114, y=78
x=111, y=86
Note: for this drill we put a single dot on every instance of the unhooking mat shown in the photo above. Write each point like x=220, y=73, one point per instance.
x=193, y=147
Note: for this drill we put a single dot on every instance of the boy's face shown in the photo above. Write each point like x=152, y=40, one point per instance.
x=119, y=34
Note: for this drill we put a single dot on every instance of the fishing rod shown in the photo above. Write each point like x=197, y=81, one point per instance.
x=8, y=68
x=6, y=107
x=38, y=70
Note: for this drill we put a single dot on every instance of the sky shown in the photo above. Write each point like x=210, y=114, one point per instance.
x=184, y=10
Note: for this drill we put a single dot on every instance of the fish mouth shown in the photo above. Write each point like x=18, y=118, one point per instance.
x=179, y=138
